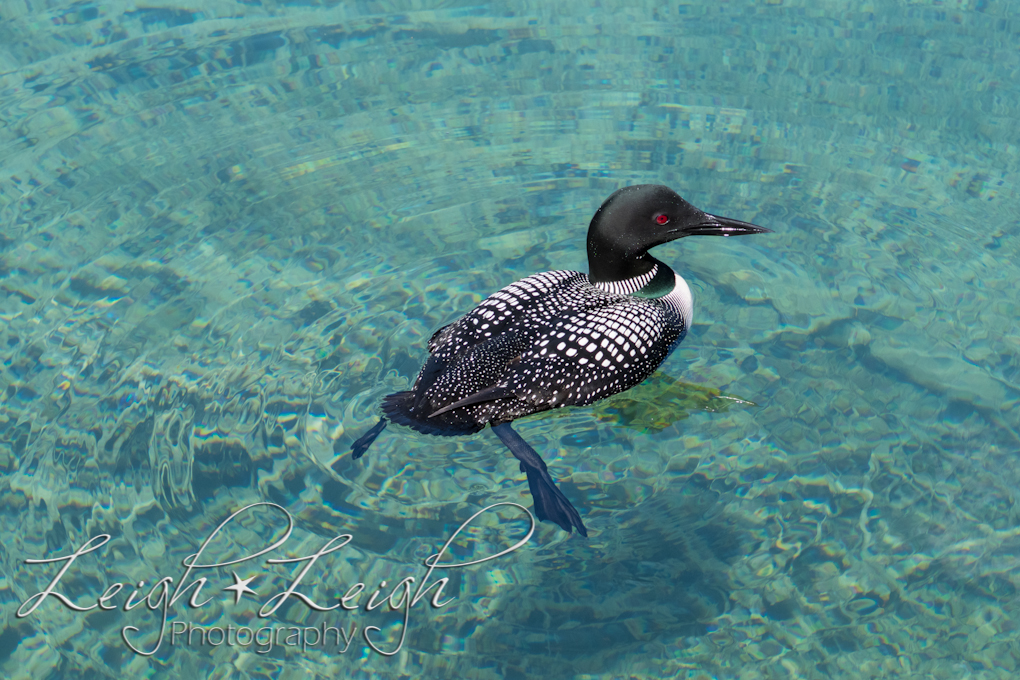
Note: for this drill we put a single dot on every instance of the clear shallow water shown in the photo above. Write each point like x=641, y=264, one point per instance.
x=227, y=232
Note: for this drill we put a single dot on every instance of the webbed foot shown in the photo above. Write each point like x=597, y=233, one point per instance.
x=359, y=447
x=550, y=503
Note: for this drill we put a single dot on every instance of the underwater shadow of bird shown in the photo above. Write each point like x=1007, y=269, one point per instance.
x=661, y=401
x=562, y=338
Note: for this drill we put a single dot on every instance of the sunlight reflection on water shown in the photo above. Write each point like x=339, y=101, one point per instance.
x=228, y=232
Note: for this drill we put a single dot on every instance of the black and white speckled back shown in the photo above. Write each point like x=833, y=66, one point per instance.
x=550, y=340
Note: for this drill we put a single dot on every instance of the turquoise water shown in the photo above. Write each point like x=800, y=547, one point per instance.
x=227, y=232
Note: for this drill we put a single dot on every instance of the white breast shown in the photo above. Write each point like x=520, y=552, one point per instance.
x=680, y=298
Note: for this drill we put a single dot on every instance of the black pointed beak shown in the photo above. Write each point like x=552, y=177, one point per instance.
x=713, y=225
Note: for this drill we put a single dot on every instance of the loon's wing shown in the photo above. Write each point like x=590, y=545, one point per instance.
x=593, y=354
x=471, y=353
x=490, y=393
x=524, y=302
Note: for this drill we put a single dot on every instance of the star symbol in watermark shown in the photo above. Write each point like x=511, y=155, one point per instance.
x=240, y=587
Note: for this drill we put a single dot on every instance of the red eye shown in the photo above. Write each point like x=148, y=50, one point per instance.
x=661, y=218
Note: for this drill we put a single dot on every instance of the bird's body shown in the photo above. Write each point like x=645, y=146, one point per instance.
x=551, y=340
x=562, y=338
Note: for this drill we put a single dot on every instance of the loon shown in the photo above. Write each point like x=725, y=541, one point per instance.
x=562, y=338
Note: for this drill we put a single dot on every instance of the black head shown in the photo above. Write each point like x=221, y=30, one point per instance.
x=634, y=219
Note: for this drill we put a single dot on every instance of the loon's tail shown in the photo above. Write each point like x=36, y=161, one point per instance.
x=400, y=408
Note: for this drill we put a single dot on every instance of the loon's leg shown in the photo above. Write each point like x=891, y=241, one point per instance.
x=359, y=447
x=550, y=503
